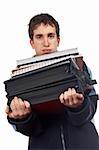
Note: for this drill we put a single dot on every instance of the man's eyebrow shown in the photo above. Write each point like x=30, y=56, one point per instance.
x=51, y=33
x=39, y=34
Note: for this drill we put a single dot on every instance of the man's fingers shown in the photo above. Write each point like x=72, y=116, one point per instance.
x=71, y=98
x=27, y=104
x=7, y=110
x=61, y=97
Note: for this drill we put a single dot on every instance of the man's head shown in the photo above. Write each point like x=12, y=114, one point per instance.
x=44, y=34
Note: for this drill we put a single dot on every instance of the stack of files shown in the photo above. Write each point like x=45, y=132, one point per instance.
x=43, y=85
x=34, y=63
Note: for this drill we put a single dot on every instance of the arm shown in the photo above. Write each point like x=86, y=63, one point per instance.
x=23, y=119
x=80, y=109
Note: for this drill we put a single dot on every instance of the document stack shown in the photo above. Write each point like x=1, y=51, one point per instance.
x=41, y=79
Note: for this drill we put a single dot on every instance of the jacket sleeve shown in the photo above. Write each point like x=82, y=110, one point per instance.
x=84, y=113
x=28, y=126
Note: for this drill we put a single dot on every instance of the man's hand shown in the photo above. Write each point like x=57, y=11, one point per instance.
x=18, y=109
x=71, y=98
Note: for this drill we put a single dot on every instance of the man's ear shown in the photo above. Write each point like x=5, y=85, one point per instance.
x=58, y=41
x=32, y=43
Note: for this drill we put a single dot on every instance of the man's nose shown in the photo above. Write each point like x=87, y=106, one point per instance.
x=46, y=42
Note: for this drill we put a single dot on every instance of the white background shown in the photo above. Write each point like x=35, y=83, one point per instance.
x=79, y=23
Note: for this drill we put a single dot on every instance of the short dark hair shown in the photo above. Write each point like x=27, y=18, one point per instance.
x=42, y=18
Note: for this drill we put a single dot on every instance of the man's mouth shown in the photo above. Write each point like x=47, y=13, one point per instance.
x=47, y=51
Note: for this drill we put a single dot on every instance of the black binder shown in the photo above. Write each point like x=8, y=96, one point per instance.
x=46, y=84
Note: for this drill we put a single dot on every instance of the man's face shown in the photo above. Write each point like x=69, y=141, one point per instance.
x=45, y=40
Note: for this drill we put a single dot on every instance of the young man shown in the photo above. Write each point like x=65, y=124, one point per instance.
x=70, y=130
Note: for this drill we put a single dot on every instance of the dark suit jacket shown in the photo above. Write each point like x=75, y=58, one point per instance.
x=71, y=129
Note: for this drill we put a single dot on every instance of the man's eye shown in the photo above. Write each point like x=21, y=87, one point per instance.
x=51, y=36
x=38, y=36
